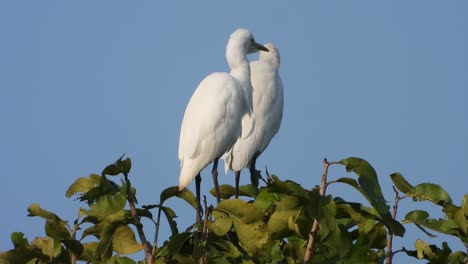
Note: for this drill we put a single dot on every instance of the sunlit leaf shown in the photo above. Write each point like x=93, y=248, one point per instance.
x=289, y=188
x=248, y=223
x=278, y=224
x=430, y=192
x=108, y=204
x=83, y=185
x=400, y=182
x=221, y=224
x=423, y=249
x=124, y=242
x=46, y=244
x=89, y=251
x=265, y=199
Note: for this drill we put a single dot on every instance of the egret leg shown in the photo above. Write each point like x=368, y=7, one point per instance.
x=197, y=183
x=237, y=173
x=254, y=174
x=214, y=173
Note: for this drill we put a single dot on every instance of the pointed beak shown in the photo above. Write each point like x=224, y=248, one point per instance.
x=260, y=47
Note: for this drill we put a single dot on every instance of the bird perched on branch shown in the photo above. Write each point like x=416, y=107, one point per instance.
x=212, y=119
x=267, y=116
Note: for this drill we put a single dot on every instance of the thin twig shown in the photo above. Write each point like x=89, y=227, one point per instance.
x=156, y=233
x=131, y=201
x=388, y=259
x=315, y=226
x=73, y=233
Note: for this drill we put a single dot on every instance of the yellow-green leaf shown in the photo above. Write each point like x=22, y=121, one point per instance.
x=124, y=242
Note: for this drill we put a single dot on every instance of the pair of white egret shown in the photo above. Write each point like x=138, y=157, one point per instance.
x=232, y=115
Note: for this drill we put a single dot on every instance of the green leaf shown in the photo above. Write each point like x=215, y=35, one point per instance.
x=57, y=229
x=265, y=199
x=445, y=226
x=226, y=191
x=74, y=246
x=370, y=187
x=83, y=185
x=173, y=191
x=278, y=224
x=417, y=216
x=46, y=245
x=289, y=188
x=188, y=196
x=401, y=183
x=170, y=215
x=124, y=242
x=109, y=204
x=221, y=224
x=18, y=240
x=168, y=193
x=126, y=165
x=429, y=192
x=89, y=251
x=120, y=166
x=225, y=249
x=248, y=223
x=175, y=244
x=36, y=210
x=423, y=249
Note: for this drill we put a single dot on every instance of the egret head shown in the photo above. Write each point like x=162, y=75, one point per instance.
x=272, y=56
x=243, y=41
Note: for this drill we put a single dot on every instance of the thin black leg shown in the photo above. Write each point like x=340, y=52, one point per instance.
x=237, y=173
x=214, y=173
x=197, y=183
x=254, y=174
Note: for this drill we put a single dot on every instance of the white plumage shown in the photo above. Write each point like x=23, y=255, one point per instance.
x=212, y=119
x=267, y=113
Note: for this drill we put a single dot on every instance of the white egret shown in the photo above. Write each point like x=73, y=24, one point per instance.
x=212, y=119
x=267, y=115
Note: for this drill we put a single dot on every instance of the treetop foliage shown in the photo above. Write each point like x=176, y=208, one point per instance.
x=284, y=223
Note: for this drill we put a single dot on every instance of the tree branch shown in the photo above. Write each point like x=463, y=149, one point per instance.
x=131, y=201
x=388, y=258
x=315, y=226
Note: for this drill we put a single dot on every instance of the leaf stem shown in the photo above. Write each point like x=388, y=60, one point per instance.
x=315, y=226
x=156, y=234
x=131, y=201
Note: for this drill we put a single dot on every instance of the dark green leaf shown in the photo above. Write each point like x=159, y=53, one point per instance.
x=369, y=186
x=18, y=240
x=168, y=193
x=226, y=191
x=170, y=215
x=175, y=244
x=74, y=246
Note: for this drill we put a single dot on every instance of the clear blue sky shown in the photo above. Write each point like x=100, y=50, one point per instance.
x=83, y=82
